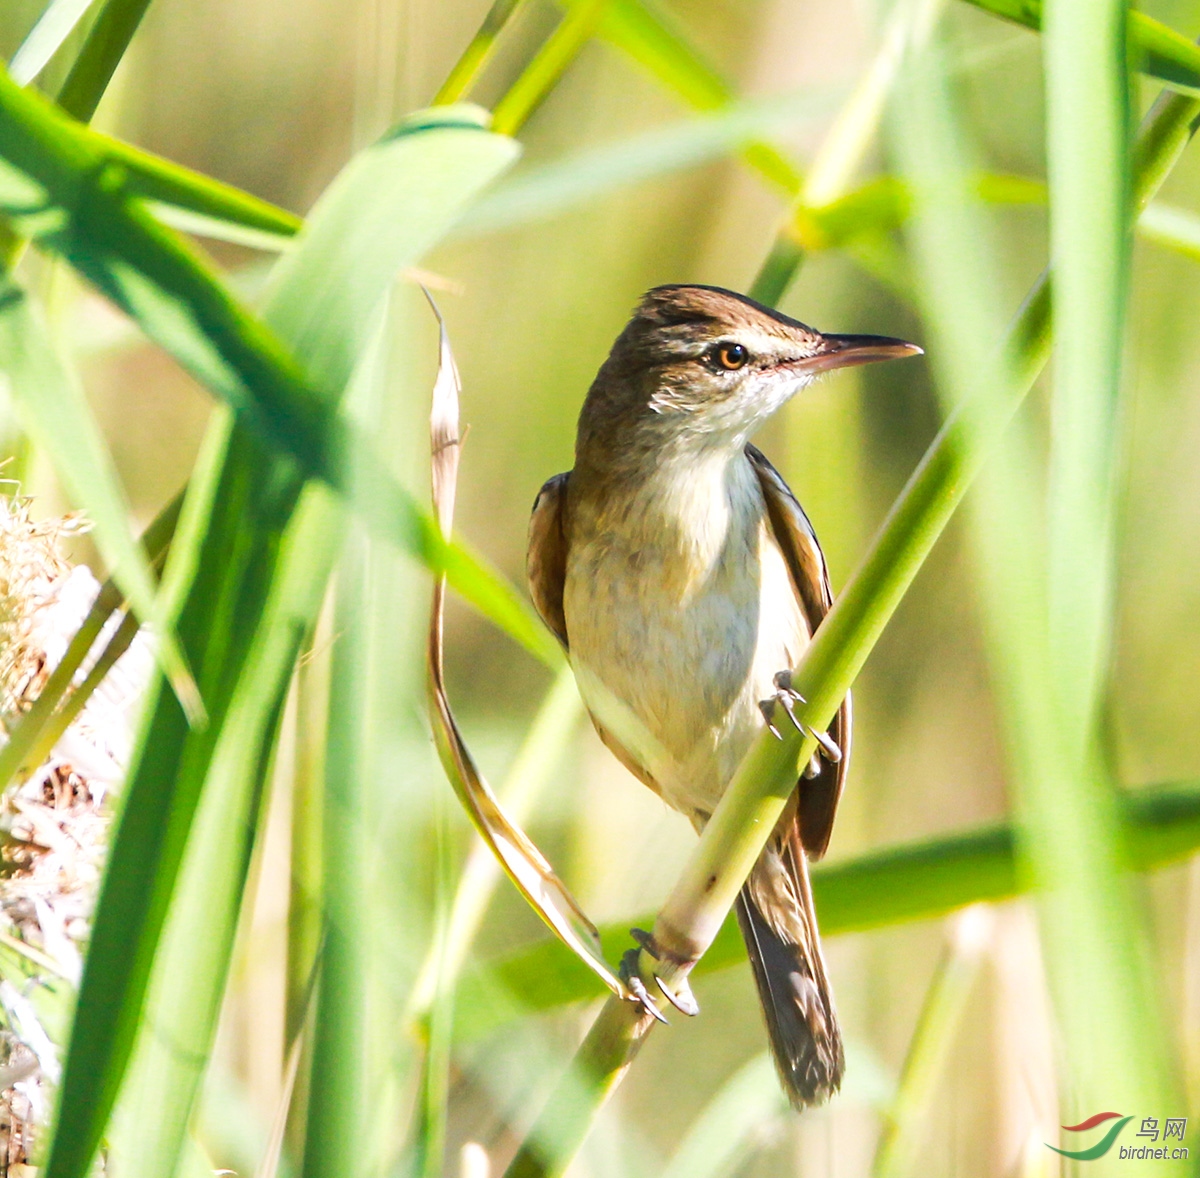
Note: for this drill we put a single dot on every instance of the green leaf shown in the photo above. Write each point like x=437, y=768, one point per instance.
x=54, y=26
x=325, y=293
x=55, y=411
x=218, y=228
x=338, y=1092
x=1165, y=54
x=192, y=963
x=385, y=209
x=651, y=38
x=147, y=174
x=60, y=186
x=551, y=188
x=1178, y=229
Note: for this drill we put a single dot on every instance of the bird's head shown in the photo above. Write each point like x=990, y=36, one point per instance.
x=704, y=363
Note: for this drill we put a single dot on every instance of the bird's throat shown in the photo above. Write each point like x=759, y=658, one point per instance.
x=680, y=515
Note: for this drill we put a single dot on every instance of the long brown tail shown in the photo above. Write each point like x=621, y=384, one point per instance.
x=779, y=924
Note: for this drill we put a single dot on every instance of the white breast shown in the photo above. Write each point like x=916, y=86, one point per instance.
x=680, y=610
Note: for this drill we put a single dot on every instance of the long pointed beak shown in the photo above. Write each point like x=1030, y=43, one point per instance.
x=846, y=351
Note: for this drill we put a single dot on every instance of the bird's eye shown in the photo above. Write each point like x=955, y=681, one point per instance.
x=732, y=356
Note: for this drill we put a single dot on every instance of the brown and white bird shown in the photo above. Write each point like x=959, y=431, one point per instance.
x=682, y=576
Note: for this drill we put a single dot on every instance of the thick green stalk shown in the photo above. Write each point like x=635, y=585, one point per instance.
x=1155, y=48
x=1087, y=104
x=304, y=896
x=1067, y=810
x=754, y=800
x=1096, y=944
x=338, y=1094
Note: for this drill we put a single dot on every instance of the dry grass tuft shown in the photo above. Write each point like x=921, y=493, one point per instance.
x=32, y=569
x=54, y=826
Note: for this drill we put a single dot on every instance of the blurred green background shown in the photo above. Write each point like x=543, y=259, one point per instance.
x=274, y=97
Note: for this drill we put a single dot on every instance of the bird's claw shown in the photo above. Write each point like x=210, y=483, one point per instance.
x=636, y=987
x=788, y=697
x=767, y=707
x=678, y=993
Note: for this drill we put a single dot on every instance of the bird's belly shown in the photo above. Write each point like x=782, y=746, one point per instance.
x=674, y=672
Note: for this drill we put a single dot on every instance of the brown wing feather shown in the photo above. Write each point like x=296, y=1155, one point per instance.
x=546, y=565
x=546, y=557
x=794, y=534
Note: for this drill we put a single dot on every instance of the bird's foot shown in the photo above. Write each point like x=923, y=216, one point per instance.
x=787, y=696
x=677, y=991
x=628, y=973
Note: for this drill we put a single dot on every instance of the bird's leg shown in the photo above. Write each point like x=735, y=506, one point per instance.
x=677, y=992
x=788, y=696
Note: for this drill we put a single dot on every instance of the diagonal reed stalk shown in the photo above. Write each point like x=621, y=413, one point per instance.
x=106, y=43
x=478, y=52
x=549, y=64
x=841, y=152
x=968, y=934
x=755, y=798
x=892, y=885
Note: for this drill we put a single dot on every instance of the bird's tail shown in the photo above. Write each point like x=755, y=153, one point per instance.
x=779, y=924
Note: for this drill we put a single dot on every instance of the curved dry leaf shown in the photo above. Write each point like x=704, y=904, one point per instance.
x=525, y=865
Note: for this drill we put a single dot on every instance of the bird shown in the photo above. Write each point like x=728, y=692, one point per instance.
x=684, y=580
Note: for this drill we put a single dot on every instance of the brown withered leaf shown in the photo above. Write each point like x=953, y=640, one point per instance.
x=525, y=865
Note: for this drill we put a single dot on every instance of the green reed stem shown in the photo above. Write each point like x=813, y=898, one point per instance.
x=549, y=64
x=475, y=57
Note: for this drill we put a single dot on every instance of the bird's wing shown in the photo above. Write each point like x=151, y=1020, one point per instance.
x=546, y=565
x=819, y=795
x=546, y=558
